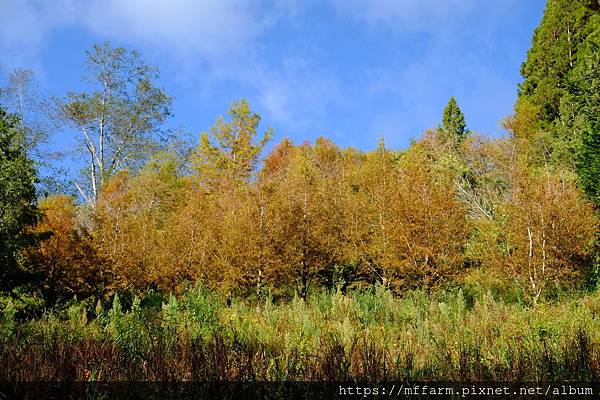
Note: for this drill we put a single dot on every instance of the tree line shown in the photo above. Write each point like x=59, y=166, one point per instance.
x=516, y=213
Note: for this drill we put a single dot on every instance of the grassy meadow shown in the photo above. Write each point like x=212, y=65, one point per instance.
x=364, y=336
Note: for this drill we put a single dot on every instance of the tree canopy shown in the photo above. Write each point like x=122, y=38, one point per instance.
x=18, y=210
x=119, y=121
x=453, y=121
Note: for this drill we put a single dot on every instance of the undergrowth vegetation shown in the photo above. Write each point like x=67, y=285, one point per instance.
x=369, y=335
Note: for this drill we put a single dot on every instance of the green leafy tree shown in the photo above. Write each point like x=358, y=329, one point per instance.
x=230, y=153
x=119, y=122
x=17, y=198
x=453, y=121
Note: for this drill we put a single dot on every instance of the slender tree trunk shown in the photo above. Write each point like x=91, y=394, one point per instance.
x=304, y=264
x=260, y=256
x=570, y=47
x=94, y=177
x=101, y=163
x=304, y=282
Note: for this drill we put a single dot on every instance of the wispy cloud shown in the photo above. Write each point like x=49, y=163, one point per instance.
x=215, y=40
x=296, y=93
x=416, y=53
x=196, y=28
x=24, y=28
x=458, y=57
x=418, y=15
x=180, y=28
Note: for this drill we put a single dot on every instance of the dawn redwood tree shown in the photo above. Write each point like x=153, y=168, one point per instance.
x=132, y=225
x=192, y=238
x=372, y=218
x=65, y=261
x=550, y=229
x=541, y=236
x=118, y=122
x=225, y=163
x=259, y=226
x=278, y=158
x=308, y=236
x=418, y=227
x=432, y=230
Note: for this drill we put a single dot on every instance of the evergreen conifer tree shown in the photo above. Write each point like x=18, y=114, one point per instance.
x=17, y=198
x=453, y=121
x=585, y=94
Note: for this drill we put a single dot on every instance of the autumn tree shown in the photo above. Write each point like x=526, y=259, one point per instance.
x=225, y=162
x=440, y=221
x=543, y=234
x=65, y=261
x=258, y=226
x=119, y=121
x=307, y=242
x=158, y=228
x=132, y=225
x=430, y=230
x=370, y=216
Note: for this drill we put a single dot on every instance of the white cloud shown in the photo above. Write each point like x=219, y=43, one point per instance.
x=297, y=95
x=205, y=28
x=206, y=42
x=24, y=27
x=408, y=14
x=181, y=28
x=417, y=15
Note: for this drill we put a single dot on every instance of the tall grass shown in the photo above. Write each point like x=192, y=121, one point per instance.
x=370, y=335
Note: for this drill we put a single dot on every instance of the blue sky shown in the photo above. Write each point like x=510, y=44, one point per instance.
x=350, y=70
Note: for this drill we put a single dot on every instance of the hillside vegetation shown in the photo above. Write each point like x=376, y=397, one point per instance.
x=460, y=257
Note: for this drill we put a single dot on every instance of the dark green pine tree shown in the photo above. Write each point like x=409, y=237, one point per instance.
x=584, y=93
x=453, y=121
x=547, y=95
x=554, y=53
x=18, y=208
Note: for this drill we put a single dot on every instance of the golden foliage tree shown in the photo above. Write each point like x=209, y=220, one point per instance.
x=315, y=216
x=308, y=227
x=414, y=230
x=66, y=260
x=544, y=233
x=132, y=223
